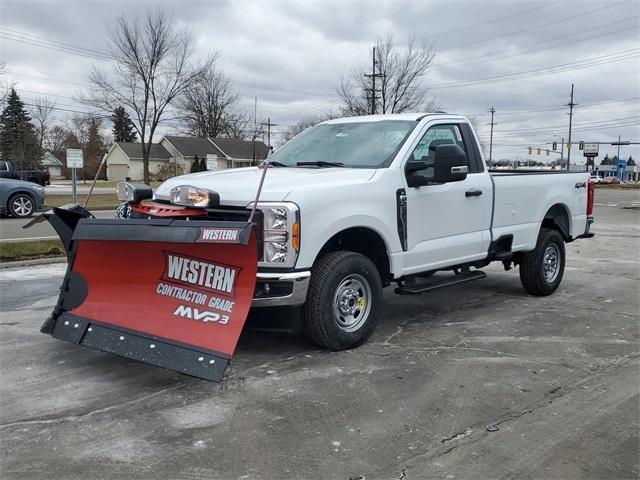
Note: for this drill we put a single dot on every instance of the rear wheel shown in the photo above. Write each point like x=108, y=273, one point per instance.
x=343, y=300
x=541, y=270
x=21, y=205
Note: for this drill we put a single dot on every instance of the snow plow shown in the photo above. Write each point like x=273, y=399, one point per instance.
x=165, y=286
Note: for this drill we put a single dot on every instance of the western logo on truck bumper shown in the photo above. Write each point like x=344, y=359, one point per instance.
x=219, y=235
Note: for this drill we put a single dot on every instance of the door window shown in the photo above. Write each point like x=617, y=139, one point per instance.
x=437, y=135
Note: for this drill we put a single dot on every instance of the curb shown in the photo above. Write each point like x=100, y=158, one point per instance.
x=35, y=261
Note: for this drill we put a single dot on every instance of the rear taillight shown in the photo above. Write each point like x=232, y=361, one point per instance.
x=591, y=193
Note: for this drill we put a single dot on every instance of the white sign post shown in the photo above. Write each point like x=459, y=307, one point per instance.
x=74, y=160
x=212, y=161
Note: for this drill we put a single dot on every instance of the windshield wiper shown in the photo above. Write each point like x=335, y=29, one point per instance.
x=277, y=164
x=320, y=163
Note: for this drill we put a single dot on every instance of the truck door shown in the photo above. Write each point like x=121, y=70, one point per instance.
x=448, y=223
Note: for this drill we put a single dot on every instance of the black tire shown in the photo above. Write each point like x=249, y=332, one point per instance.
x=535, y=277
x=21, y=205
x=343, y=276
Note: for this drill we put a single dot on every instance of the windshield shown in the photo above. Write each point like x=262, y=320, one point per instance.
x=352, y=145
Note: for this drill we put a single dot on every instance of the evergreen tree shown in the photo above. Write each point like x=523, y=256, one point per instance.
x=203, y=164
x=195, y=165
x=18, y=141
x=93, y=148
x=123, y=129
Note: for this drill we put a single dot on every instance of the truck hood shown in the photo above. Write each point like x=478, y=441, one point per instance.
x=238, y=186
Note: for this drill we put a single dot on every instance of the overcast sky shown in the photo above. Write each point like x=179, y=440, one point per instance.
x=518, y=56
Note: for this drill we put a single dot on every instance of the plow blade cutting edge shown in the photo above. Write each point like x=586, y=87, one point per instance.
x=172, y=293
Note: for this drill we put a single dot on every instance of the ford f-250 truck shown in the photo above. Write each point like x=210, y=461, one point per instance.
x=345, y=209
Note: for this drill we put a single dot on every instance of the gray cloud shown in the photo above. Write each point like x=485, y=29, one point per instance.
x=309, y=45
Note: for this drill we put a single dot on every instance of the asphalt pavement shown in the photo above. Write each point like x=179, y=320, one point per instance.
x=558, y=377
x=11, y=228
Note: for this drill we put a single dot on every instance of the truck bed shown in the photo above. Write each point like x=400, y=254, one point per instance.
x=522, y=198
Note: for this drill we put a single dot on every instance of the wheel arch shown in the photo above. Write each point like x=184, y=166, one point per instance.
x=367, y=242
x=557, y=218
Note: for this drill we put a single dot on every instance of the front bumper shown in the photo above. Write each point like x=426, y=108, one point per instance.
x=281, y=289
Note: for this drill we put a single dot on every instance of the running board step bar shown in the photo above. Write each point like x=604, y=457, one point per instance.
x=416, y=288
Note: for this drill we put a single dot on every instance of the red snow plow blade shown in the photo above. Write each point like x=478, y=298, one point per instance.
x=170, y=292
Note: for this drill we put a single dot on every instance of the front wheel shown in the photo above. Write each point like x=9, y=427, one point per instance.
x=541, y=270
x=21, y=205
x=343, y=300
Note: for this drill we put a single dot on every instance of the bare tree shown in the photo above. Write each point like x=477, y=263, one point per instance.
x=42, y=113
x=5, y=87
x=399, y=86
x=58, y=138
x=238, y=125
x=151, y=69
x=203, y=105
x=306, y=122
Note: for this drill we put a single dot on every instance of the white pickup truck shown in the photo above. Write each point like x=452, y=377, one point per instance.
x=354, y=204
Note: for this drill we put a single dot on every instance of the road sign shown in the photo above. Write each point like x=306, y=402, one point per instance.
x=212, y=161
x=590, y=150
x=74, y=158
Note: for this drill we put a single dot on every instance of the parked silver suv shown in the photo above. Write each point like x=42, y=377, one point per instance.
x=20, y=199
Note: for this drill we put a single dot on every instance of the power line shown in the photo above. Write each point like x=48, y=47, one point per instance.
x=467, y=27
x=546, y=24
x=492, y=56
x=579, y=64
x=552, y=109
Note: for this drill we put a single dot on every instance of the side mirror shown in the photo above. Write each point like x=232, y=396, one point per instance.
x=415, y=166
x=450, y=164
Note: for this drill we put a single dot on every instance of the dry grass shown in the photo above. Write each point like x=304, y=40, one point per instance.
x=28, y=250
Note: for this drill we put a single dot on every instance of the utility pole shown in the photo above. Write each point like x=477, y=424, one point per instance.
x=255, y=127
x=492, y=111
x=268, y=124
x=570, y=105
x=619, y=137
x=373, y=76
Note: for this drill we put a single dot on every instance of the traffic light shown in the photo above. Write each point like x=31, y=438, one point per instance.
x=529, y=149
x=581, y=145
x=538, y=150
x=554, y=146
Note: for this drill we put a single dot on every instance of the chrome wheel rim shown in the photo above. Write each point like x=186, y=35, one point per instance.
x=352, y=303
x=551, y=262
x=22, y=206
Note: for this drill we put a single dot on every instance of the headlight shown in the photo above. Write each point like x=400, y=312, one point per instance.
x=281, y=233
x=190, y=196
x=129, y=192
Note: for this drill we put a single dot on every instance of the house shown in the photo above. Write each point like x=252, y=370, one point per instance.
x=174, y=155
x=186, y=149
x=124, y=161
x=52, y=164
x=228, y=152
x=239, y=153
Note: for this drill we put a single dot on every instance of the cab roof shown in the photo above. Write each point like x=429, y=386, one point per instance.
x=415, y=116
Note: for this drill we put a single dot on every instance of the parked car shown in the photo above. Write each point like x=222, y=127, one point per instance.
x=595, y=178
x=20, y=199
x=8, y=170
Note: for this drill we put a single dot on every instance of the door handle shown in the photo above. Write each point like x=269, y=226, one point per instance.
x=473, y=193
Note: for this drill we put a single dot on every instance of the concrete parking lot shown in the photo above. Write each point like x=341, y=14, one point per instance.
x=559, y=377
